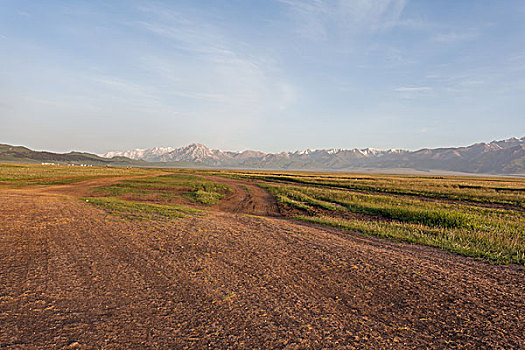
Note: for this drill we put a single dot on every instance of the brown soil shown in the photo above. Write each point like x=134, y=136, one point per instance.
x=73, y=277
x=246, y=197
x=82, y=188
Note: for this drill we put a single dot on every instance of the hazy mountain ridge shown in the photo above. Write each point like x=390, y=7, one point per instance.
x=23, y=154
x=503, y=156
x=496, y=157
x=201, y=153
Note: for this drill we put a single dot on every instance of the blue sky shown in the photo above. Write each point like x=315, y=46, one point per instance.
x=270, y=75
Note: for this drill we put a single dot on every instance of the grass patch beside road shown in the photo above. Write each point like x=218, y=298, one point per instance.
x=497, y=190
x=164, y=196
x=130, y=209
x=167, y=189
x=491, y=233
x=477, y=244
x=481, y=217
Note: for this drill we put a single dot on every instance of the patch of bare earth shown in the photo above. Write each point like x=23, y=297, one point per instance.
x=246, y=197
x=72, y=276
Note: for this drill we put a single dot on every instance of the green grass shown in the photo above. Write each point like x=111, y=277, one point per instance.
x=131, y=209
x=491, y=233
x=65, y=181
x=30, y=174
x=167, y=189
x=142, y=197
x=402, y=209
x=477, y=217
x=481, y=217
x=496, y=248
x=506, y=191
x=157, y=197
x=205, y=197
x=299, y=199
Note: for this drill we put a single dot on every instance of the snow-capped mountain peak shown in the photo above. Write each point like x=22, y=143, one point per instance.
x=333, y=158
x=150, y=154
x=197, y=152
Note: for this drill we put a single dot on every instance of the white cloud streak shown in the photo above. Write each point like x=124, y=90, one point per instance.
x=413, y=89
x=234, y=83
x=316, y=18
x=453, y=37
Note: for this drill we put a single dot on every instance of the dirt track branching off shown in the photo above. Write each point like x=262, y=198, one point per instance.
x=476, y=217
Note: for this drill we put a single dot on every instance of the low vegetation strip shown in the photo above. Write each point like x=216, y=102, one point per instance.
x=167, y=189
x=140, y=194
x=478, y=217
x=163, y=196
x=488, y=231
x=465, y=242
x=17, y=175
x=297, y=197
x=494, y=234
x=504, y=191
x=139, y=210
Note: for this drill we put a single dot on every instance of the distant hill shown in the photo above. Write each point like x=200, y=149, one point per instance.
x=496, y=157
x=25, y=155
x=20, y=154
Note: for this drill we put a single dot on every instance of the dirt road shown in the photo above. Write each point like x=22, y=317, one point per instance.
x=246, y=198
x=73, y=277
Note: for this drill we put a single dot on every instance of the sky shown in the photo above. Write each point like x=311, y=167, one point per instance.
x=269, y=75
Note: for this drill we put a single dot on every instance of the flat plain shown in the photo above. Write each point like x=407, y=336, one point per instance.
x=115, y=258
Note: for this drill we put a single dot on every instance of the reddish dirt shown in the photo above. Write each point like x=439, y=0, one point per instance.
x=73, y=277
x=82, y=188
x=246, y=198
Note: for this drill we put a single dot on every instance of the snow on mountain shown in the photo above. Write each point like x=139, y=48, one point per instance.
x=151, y=154
x=495, y=157
x=479, y=157
x=197, y=152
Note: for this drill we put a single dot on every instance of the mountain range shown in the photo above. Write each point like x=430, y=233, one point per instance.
x=496, y=157
x=505, y=156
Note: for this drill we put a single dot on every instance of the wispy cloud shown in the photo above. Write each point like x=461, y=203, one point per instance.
x=413, y=89
x=452, y=37
x=317, y=18
x=413, y=92
x=517, y=62
x=271, y=75
x=517, y=57
x=23, y=13
x=474, y=82
x=204, y=62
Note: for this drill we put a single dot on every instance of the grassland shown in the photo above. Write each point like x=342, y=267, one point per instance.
x=493, y=190
x=18, y=175
x=473, y=216
x=167, y=189
x=481, y=217
x=141, y=193
x=163, y=196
